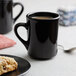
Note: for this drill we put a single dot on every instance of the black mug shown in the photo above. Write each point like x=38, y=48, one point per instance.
x=42, y=34
x=6, y=15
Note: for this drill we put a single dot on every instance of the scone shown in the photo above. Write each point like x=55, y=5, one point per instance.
x=7, y=64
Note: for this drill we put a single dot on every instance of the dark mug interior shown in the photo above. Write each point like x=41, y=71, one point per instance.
x=43, y=14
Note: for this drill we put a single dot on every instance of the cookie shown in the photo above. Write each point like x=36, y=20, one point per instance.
x=7, y=64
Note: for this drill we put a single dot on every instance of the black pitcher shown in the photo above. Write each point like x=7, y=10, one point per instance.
x=6, y=15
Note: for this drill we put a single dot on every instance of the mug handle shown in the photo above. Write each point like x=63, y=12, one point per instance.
x=26, y=43
x=14, y=4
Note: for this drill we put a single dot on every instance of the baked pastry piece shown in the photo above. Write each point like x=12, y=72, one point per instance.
x=7, y=64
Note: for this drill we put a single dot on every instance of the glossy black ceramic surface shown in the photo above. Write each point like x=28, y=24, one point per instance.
x=23, y=66
x=6, y=15
x=42, y=35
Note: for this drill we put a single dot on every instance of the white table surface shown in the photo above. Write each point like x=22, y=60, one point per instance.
x=62, y=64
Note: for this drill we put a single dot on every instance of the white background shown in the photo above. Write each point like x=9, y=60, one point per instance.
x=62, y=64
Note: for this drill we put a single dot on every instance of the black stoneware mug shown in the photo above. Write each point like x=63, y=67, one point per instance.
x=6, y=15
x=42, y=28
